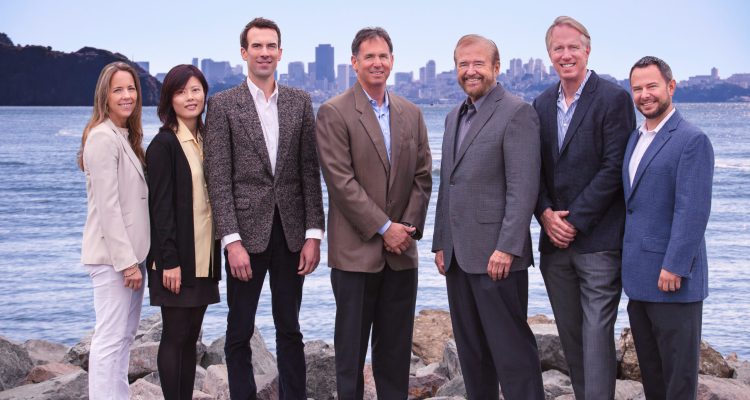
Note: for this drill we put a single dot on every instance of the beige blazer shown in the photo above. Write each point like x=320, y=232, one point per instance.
x=117, y=224
x=365, y=189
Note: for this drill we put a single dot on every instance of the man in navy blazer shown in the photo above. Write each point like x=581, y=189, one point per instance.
x=585, y=123
x=667, y=176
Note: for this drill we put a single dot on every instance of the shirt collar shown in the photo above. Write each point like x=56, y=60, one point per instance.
x=183, y=133
x=642, y=129
x=374, y=103
x=580, y=88
x=257, y=93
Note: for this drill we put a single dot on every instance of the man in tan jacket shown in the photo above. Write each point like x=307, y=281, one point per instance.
x=377, y=166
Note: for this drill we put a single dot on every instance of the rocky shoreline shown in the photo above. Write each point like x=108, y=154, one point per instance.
x=39, y=369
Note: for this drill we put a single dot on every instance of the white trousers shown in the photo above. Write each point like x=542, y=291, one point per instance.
x=118, y=311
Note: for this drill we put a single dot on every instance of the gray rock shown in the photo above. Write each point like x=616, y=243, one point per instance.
x=142, y=360
x=550, y=349
x=449, y=363
x=556, y=384
x=15, y=364
x=198, y=395
x=713, y=388
x=79, y=353
x=415, y=364
x=214, y=353
x=629, y=390
x=73, y=386
x=43, y=352
x=145, y=390
x=432, y=328
x=267, y=386
x=321, y=370
x=741, y=368
x=45, y=372
x=264, y=362
x=425, y=386
x=200, y=377
x=433, y=368
x=627, y=358
x=712, y=363
x=216, y=383
x=149, y=329
x=454, y=387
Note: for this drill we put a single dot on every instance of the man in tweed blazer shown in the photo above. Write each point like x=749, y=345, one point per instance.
x=264, y=186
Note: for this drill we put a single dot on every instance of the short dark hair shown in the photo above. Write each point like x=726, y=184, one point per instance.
x=260, y=23
x=175, y=80
x=664, y=69
x=370, y=33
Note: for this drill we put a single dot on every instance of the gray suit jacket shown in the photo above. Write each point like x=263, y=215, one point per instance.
x=488, y=190
x=242, y=190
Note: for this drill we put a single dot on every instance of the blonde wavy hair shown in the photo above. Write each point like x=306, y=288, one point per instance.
x=100, y=112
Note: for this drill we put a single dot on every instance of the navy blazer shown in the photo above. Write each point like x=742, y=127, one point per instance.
x=584, y=175
x=170, y=201
x=667, y=211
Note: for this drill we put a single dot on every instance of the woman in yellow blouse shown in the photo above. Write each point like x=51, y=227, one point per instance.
x=184, y=264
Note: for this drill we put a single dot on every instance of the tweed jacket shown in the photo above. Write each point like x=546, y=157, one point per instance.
x=365, y=189
x=241, y=187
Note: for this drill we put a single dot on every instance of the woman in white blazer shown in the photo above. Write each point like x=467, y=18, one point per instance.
x=116, y=236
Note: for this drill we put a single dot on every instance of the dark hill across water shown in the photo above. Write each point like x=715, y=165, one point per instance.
x=40, y=76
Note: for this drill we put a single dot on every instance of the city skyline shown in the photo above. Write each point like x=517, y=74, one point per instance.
x=693, y=37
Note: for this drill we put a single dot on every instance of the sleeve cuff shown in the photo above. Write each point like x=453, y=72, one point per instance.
x=384, y=228
x=314, y=234
x=232, y=237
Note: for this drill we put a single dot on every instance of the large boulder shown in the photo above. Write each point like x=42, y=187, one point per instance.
x=45, y=372
x=712, y=363
x=741, y=368
x=454, y=387
x=425, y=386
x=142, y=360
x=556, y=384
x=73, y=386
x=267, y=386
x=550, y=349
x=629, y=390
x=43, y=352
x=449, y=363
x=321, y=370
x=432, y=328
x=15, y=364
x=79, y=353
x=264, y=362
x=145, y=390
x=216, y=383
x=713, y=388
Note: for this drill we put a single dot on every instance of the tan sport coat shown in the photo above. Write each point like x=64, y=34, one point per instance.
x=365, y=190
x=117, y=224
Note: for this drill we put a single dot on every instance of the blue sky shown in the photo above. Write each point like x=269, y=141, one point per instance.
x=692, y=36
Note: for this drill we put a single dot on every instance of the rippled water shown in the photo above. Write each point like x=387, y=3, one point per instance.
x=45, y=293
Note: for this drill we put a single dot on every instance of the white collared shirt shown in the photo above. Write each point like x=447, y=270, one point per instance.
x=268, y=113
x=644, y=140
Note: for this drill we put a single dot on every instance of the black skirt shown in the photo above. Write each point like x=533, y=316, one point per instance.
x=204, y=292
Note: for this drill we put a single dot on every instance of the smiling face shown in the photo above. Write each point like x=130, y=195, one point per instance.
x=476, y=71
x=262, y=53
x=373, y=64
x=568, y=53
x=188, y=102
x=652, y=95
x=122, y=97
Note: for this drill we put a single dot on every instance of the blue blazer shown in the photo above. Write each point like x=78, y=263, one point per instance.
x=667, y=211
x=584, y=175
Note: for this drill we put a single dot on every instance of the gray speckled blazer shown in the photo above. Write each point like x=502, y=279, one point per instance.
x=241, y=187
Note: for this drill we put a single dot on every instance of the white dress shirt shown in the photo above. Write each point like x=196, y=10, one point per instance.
x=644, y=140
x=268, y=113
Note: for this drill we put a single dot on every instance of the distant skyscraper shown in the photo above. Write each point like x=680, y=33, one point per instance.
x=311, y=72
x=296, y=72
x=516, y=68
x=345, y=76
x=422, y=75
x=324, y=63
x=195, y=62
x=215, y=71
x=144, y=65
x=430, y=72
x=714, y=73
x=404, y=78
x=538, y=69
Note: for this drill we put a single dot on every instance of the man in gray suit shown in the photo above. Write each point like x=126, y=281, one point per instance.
x=264, y=186
x=488, y=187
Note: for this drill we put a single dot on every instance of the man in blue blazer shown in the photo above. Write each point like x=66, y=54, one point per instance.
x=667, y=176
x=585, y=123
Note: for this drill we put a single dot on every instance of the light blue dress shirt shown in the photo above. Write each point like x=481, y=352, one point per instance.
x=383, y=115
x=564, y=112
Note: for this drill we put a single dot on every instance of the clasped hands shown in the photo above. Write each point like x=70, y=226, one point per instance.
x=239, y=259
x=397, y=238
x=560, y=232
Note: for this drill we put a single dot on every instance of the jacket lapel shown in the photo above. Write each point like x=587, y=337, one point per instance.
x=128, y=150
x=661, y=138
x=398, y=135
x=285, y=130
x=370, y=123
x=632, y=141
x=449, y=138
x=484, y=113
x=584, y=102
x=251, y=124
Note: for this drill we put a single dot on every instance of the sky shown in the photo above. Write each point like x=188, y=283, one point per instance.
x=692, y=36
